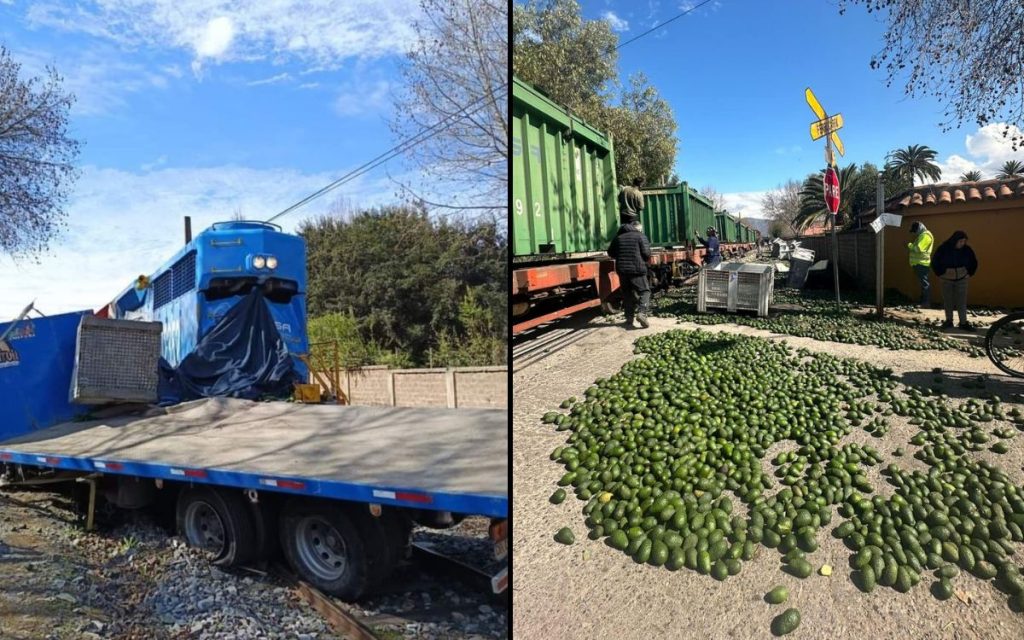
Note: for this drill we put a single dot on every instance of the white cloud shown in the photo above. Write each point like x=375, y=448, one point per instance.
x=319, y=32
x=122, y=224
x=987, y=150
x=99, y=81
x=309, y=85
x=782, y=151
x=215, y=38
x=745, y=204
x=281, y=77
x=159, y=162
x=617, y=23
x=360, y=98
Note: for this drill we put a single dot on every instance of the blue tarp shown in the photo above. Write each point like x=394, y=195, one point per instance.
x=243, y=356
x=36, y=361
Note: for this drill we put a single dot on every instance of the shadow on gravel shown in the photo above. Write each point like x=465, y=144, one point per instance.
x=966, y=384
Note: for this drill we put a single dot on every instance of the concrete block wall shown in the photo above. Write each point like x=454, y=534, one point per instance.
x=466, y=387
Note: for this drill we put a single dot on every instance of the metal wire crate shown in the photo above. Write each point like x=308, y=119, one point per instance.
x=736, y=287
x=115, y=361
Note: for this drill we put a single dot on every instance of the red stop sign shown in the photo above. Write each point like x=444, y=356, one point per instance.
x=831, y=190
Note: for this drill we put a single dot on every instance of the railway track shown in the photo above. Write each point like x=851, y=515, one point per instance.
x=430, y=567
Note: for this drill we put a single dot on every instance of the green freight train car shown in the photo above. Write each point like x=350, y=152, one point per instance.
x=563, y=180
x=565, y=214
x=672, y=216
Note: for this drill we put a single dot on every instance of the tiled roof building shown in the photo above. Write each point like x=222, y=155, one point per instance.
x=991, y=212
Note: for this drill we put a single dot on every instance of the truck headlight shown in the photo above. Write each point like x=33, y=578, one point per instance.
x=259, y=262
x=271, y=262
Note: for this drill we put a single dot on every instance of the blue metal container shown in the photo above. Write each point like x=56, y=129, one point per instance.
x=193, y=290
x=36, y=361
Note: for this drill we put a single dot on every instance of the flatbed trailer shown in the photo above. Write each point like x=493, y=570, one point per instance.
x=337, y=486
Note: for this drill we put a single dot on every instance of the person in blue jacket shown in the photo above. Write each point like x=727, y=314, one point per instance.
x=714, y=256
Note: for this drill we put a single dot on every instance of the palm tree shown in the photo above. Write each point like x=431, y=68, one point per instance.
x=812, y=197
x=970, y=176
x=1011, y=169
x=916, y=161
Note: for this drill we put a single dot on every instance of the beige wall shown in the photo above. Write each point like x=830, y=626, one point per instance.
x=467, y=387
x=994, y=232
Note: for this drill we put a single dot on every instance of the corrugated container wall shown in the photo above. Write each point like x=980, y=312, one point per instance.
x=563, y=180
x=674, y=215
x=663, y=217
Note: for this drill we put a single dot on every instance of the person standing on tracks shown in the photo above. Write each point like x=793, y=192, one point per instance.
x=714, y=255
x=920, y=249
x=631, y=250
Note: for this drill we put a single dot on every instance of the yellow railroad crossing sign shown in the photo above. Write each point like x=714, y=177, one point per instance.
x=831, y=131
x=827, y=126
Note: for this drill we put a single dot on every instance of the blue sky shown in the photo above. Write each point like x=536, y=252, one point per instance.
x=203, y=108
x=734, y=72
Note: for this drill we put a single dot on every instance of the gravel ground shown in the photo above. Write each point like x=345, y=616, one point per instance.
x=589, y=591
x=131, y=580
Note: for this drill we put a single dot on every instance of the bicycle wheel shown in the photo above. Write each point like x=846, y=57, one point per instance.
x=1004, y=344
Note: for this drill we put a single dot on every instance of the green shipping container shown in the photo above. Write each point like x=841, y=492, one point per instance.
x=726, y=227
x=673, y=215
x=564, y=194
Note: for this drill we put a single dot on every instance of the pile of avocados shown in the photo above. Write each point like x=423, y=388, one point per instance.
x=824, y=320
x=667, y=457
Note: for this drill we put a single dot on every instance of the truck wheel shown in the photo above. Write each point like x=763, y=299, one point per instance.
x=218, y=522
x=326, y=548
x=389, y=535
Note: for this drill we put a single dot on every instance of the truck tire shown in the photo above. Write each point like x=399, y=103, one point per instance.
x=323, y=543
x=218, y=521
x=390, y=535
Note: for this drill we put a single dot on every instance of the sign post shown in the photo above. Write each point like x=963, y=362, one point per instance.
x=831, y=183
x=828, y=127
x=880, y=249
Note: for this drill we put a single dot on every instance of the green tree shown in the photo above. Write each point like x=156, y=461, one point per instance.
x=474, y=342
x=971, y=176
x=341, y=329
x=812, y=197
x=915, y=161
x=858, y=193
x=571, y=59
x=403, y=276
x=1011, y=169
x=574, y=62
x=644, y=129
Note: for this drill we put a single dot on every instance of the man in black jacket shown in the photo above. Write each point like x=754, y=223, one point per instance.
x=631, y=250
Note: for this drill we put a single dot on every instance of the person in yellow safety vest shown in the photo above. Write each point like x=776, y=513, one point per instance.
x=921, y=258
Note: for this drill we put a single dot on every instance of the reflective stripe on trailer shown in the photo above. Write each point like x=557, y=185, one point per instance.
x=500, y=581
x=108, y=466
x=405, y=496
x=283, y=484
x=48, y=460
x=189, y=473
x=6, y=456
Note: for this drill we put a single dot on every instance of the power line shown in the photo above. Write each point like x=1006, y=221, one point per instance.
x=655, y=28
x=394, y=151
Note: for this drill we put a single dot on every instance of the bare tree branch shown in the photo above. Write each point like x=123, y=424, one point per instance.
x=36, y=158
